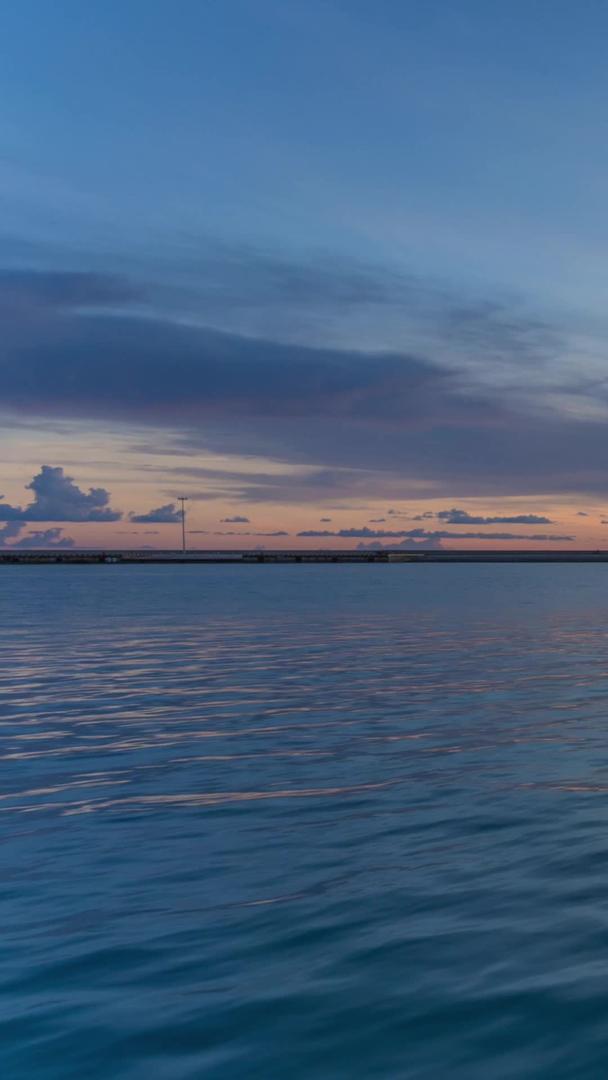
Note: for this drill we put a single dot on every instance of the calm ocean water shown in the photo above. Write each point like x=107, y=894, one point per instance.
x=304, y=822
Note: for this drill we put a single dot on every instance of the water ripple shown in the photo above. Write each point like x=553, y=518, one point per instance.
x=310, y=821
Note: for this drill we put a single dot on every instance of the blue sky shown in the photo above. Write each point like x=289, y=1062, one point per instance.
x=391, y=130
x=369, y=238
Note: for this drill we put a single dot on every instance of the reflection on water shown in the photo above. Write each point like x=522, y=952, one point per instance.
x=303, y=821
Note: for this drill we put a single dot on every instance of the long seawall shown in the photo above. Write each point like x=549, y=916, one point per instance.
x=73, y=557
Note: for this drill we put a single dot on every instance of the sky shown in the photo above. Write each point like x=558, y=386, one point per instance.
x=335, y=270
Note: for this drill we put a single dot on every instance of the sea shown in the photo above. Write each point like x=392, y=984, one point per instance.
x=304, y=822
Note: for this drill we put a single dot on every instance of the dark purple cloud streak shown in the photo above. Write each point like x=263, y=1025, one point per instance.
x=75, y=348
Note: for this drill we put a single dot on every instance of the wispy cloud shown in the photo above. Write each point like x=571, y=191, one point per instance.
x=436, y=534
x=275, y=532
x=424, y=420
x=42, y=538
x=45, y=538
x=462, y=517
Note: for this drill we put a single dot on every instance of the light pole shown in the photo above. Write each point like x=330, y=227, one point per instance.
x=183, y=499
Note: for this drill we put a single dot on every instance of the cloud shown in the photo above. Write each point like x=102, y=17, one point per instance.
x=60, y=290
x=376, y=521
x=432, y=543
x=424, y=534
x=57, y=498
x=325, y=519
x=475, y=409
x=169, y=514
x=236, y=520
x=240, y=275
x=10, y=531
x=45, y=538
x=462, y=517
x=155, y=371
x=353, y=532
x=581, y=513
x=277, y=532
x=311, y=485
x=318, y=532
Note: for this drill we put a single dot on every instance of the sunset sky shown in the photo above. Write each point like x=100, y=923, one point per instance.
x=336, y=270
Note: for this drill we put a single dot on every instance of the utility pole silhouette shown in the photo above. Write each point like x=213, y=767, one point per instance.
x=183, y=499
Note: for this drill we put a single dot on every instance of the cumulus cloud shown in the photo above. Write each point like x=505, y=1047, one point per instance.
x=57, y=498
x=168, y=514
x=236, y=520
x=455, y=516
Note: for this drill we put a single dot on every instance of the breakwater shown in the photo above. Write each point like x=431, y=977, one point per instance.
x=249, y=557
